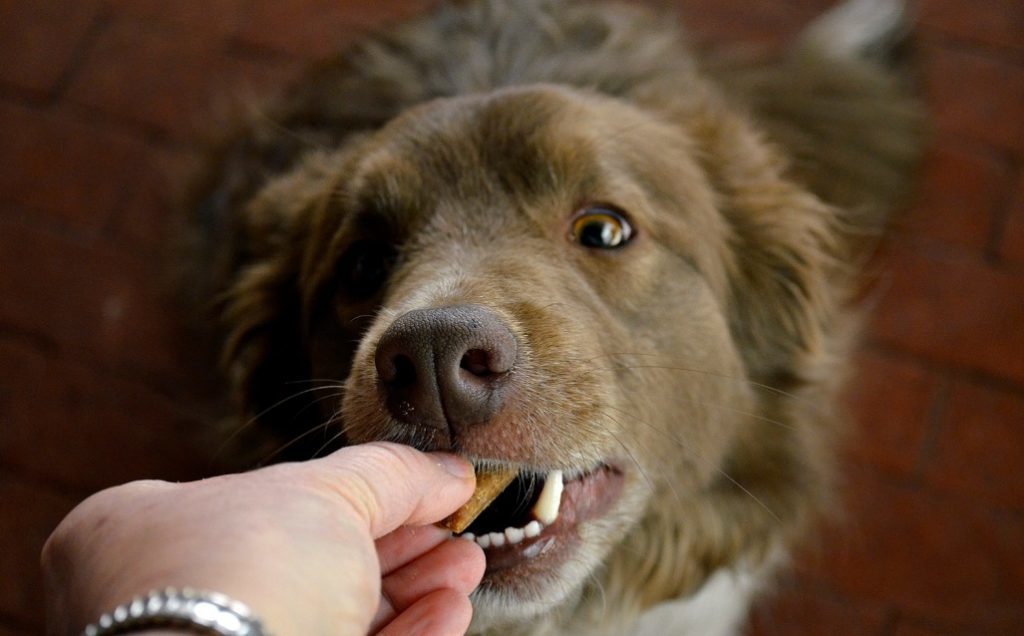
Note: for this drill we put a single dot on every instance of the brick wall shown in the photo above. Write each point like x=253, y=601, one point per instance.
x=99, y=104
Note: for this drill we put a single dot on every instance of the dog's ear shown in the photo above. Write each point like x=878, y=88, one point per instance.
x=844, y=133
x=250, y=265
x=842, y=104
x=250, y=208
x=786, y=285
x=789, y=260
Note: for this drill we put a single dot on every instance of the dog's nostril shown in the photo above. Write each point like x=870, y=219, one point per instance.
x=477, y=362
x=404, y=371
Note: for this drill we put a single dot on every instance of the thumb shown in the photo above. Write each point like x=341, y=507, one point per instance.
x=391, y=485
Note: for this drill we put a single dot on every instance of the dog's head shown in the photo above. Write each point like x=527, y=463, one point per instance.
x=555, y=280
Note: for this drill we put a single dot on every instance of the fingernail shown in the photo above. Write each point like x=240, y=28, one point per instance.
x=455, y=465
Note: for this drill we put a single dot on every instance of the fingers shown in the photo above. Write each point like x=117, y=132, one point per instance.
x=406, y=544
x=390, y=485
x=440, y=613
x=456, y=565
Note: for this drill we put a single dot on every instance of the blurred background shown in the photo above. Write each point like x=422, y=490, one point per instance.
x=100, y=101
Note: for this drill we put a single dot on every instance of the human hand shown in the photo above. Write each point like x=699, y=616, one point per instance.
x=339, y=545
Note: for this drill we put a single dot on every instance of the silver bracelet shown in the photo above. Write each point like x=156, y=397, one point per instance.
x=189, y=609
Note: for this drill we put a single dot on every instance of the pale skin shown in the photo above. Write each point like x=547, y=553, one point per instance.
x=340, y=545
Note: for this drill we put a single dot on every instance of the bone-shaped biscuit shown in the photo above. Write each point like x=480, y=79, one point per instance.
x=489, y=484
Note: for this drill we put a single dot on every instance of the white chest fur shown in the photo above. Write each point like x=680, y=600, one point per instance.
x=717, y=609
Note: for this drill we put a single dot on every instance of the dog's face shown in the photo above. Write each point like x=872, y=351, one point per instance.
x=548, y=214
x=545, y=279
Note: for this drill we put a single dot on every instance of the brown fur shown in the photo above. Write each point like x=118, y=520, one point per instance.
x=705, y=354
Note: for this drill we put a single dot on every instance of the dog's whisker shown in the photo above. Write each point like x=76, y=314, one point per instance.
x=725, y=376
x=319, y=427
x=255, y=418
x=261, y=114
x=756, y=499
x=639, y=467
x=280, y=449
x=327, y=444
x=696, y=454
x=551, y=305
x=598, y=585
x=754, y=416
x=327, y=381
x=362, y=317
x=332, y=421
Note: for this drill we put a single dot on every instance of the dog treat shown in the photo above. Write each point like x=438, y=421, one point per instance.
x=489, y=484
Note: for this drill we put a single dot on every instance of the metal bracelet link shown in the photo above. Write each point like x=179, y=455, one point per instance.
x=198, y=611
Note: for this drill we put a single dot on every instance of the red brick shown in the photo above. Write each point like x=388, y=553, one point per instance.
x=961, y=189
x=152, y=215
x=86, y=429
x=795, y=611
x=976, y=95
x=770, y=23
x=980, y=455
x=890, y=399
x=912, y=629
x=1012, y=241
x=70, y=171
x=92, y=301
x=40, y=39
x=997, y=22
x=959, y=311
x=988, y=627
x=206, y=19
x=155, y=77
x=946, y=559
x=317, y=28
x=28, y=514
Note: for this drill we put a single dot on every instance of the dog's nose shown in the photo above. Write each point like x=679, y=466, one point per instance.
x=446, y=367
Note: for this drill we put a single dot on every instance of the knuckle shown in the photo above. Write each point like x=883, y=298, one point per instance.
x=358, y=491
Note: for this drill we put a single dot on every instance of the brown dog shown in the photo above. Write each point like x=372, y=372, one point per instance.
x=545, y=236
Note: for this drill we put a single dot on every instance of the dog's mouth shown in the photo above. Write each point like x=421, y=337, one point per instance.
x=534, y=522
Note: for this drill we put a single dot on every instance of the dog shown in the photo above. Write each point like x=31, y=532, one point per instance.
x=548, y=236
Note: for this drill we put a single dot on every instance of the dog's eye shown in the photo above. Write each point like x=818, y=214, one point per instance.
x=364, y=268
x=601, y=228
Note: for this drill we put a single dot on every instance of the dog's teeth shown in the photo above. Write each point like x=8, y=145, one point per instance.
x=510, y=536
x=538, y=547
x=514, y=535
x=546, y=508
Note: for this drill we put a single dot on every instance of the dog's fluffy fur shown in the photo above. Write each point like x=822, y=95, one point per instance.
x=703, y=357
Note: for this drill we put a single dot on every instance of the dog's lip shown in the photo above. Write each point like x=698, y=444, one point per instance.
x=571, y=473
x=588, y=494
